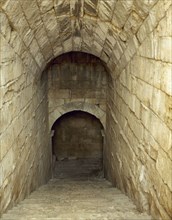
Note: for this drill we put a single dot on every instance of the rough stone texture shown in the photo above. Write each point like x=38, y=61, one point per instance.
x=139, y=132
x=23, y=132
x=68, y=199
x=133, y=38
x=77, y=81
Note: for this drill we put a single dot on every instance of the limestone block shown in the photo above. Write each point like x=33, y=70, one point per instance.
x=67, y=44
x=32, y=13
x=62, y=7
x=5, y=79
x=17, y=67
x=41, y=36
x=97, y=47
x=142, y=33
x=14, y=12
x=6, y=195
x=54, y=103
x=0, y=180
x=152, y=20
x=90, y=7
x=77, y=8
x=103, y=107
x=128, y=77
x=133, y=23
x=101, y=31
x=29, y=62
x=118, y=51
x=6, y=143
x=160, y=16
x=145, y=116
x=63, y=94
x=164, y=167
x=165, y=195
x=151, y=145
x=149, y=47
x=123, y=77
x=110, y=41
x=126, y=96
x=65, y=26
x=166, y=79
x=36, y=52
x=133, y=44
x=7, y=164
x=160, y=132
x=164, y=27
x=144, y=92
x=124, y=60
x=121, y=13
x=143, y=7
x=156, y=47
x=136, y=126
x=135, y=105
x=17, y=44
x=45, y=5
x=74, y=100
x=87, y=30
x=147, y=74
x=7, y=54
x=72, y=105
x=5, y=28
x=104, y=55
x=7, y=92
x=52, y=27
x=76, y=43
x=28, y=37
x=57, y=49
x=158, y=104
x=165, y=49
x=105, y=9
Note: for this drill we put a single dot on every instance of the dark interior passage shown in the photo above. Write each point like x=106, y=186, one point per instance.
x=77, y=145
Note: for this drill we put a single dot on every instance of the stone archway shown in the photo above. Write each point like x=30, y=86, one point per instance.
x=77, y=145
x=78, y=106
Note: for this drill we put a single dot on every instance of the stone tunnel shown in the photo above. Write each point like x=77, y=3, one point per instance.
x=100, y=69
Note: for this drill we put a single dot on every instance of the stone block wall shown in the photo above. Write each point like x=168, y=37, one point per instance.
x=77, y=81
x=139, y=116
x=24, y=137
x=133, y=38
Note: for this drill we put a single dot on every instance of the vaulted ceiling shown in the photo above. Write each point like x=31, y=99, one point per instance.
x=44, y=29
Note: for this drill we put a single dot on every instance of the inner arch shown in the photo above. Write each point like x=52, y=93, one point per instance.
x=77, y=145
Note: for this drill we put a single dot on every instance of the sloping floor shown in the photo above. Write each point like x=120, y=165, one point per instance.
x=76, y=197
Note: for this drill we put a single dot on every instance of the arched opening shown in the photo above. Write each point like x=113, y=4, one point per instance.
x=77, y=145
x=78, y=81
x=128, y=36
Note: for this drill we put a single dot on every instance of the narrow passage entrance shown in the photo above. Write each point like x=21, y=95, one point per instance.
x=77, y=146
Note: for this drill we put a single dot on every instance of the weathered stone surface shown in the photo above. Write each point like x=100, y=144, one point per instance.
x=133, y=38
x=78, y=78
x=45, y=5
x=62, y=7
x=105, y=9
x=82, y=197
x=90, y=7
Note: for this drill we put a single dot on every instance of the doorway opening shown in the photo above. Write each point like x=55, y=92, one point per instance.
x=77, y=146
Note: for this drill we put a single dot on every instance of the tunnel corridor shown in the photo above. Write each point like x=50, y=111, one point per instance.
x=92, y=75
x=77, y=145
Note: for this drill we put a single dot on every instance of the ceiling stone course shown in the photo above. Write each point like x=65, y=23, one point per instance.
x=59, y=26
